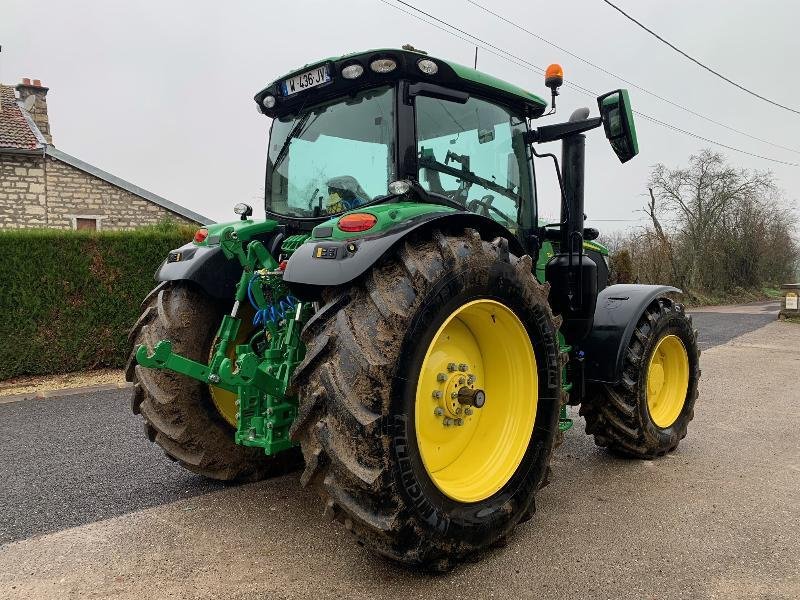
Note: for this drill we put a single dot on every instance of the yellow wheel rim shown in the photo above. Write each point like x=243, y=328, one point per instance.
x=224, y=400
x=470, y=453
x=667, y=380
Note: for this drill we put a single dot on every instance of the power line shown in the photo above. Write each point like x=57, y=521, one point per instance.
x=697, y=62
x=632, y=84
x=710, y=141
x=521, y=62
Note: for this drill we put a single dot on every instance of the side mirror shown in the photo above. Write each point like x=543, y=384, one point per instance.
x=615, y=110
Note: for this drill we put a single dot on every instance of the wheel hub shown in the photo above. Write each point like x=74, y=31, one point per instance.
x=450, y=393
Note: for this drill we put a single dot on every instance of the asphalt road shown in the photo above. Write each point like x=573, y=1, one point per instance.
x=720, y=518
x=73, y=460
x=719, y=324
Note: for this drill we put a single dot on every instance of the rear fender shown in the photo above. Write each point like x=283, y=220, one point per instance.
x=328, y=262
x=206, y=264
x=619, y=308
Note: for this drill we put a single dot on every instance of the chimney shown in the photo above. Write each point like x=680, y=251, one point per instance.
x=34, y=97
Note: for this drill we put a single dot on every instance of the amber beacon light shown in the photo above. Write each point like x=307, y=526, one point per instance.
x=554, y=76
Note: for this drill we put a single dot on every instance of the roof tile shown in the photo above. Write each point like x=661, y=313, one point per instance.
x=15, y=131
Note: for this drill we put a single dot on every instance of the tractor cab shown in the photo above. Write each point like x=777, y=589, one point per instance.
x=346, y=129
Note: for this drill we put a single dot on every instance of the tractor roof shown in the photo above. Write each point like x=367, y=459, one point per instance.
x=449, y=74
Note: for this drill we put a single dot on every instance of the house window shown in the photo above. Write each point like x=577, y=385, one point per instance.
x=90, y=222
x=82, y=223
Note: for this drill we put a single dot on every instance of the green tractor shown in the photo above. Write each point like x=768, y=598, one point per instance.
x=404, y=317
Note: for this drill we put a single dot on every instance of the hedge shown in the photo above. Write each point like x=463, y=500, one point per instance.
x=69, y=298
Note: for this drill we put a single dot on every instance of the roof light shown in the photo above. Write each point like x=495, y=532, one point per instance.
x=357, y=222
x=353, y=71
x=427, y=66
x=554, y=76
x=200, y=235
x=383, y=65
x=268, y=101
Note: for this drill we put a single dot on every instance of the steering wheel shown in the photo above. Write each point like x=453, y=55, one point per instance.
x=485, y=204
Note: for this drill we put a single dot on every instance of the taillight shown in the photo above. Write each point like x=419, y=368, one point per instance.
x=200, y=235
x=357, y=222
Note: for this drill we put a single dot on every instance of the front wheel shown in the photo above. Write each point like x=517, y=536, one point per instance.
x=429, y=400
x=647, y=414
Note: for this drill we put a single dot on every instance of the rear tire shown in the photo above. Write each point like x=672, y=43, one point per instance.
x=178, y=411
x=618, y=416
x=358, y=393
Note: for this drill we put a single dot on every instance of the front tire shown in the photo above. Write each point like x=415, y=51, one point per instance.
x=370, y=427
x=647, y=414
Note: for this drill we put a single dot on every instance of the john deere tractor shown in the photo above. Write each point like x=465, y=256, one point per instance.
x=404, y=317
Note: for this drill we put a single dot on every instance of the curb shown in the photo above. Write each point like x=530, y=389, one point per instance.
x=47, y=394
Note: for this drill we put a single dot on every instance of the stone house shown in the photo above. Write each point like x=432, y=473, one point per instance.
x=41, y=186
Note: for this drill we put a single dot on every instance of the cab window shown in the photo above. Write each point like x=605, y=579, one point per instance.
x=474, y=153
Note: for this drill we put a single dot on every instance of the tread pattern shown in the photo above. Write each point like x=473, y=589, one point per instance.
x=345, y=382
x=614, y=413
x=178, y=413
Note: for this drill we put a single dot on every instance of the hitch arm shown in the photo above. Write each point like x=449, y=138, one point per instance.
x=164, y=358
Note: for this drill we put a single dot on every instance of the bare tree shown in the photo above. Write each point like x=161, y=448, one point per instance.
x=714, y=229
x=701, y=197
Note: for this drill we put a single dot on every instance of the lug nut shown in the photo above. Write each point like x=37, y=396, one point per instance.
x=458, y=410
x=441, y=377
x=468, y=411
x=470, y=379
x=461, y=381
x=451, y=367
x=438, y=411
x=463, y=367
x=459, y=422
x=213, y=378
x=437, y=394
x=453, y=395
x=447, y=421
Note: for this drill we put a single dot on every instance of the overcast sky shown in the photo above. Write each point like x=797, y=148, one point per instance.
x=160, y=93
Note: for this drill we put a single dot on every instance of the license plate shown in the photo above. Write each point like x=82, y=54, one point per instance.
x=306, y=80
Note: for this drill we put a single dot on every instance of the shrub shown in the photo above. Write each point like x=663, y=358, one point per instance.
x=70, y=297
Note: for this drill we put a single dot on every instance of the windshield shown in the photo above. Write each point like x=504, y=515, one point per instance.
x=333, y=157
x=474, y=153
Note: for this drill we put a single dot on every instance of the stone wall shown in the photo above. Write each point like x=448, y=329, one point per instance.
x=22, y=191
x=37, y=192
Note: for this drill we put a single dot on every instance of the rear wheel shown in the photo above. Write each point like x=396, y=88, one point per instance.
x=648, y=412
x=179, y=413
x=429, y=400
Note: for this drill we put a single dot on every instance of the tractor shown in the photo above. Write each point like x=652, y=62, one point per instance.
x=403, y=322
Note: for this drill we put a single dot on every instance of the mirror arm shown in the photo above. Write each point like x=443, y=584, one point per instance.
x=551, y=133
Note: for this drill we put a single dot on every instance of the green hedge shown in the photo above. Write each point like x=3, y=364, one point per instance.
x=69, y=298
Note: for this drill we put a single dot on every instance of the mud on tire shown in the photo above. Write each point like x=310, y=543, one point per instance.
x=357, y=386
x=178, y=412
x=617, y=415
